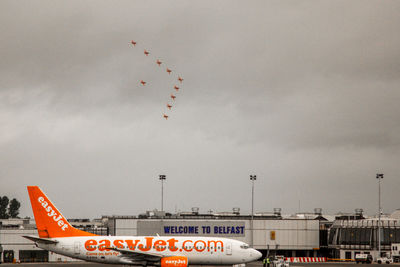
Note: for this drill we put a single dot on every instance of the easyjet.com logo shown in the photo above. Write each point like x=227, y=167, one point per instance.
x=175, y=261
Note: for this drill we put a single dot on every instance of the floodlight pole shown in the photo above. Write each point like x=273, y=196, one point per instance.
x=162, y=178
x=379, y=176
x=252, y=179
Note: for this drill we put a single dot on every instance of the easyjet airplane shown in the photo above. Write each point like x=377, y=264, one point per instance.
x=57, y=235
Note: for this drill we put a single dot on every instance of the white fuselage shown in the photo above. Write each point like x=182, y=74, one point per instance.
x=198, y=250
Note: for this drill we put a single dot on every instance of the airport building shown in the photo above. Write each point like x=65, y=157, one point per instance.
x=267, y=232
x=15, y=248
x=348, y=238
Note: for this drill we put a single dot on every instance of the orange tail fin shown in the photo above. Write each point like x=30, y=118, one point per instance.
x=49, y=221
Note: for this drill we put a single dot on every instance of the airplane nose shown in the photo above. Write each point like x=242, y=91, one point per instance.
x=256, y=254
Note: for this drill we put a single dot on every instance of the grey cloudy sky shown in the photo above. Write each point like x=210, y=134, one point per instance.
x=305, y=94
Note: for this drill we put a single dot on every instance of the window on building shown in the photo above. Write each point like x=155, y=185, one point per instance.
x=33, y=256
x=332, y=233
x=8, y=255
x=345, y=236
x=365, y=236
x=357, y=235
x=352, y=236
x=397, y=238
x=388, y=236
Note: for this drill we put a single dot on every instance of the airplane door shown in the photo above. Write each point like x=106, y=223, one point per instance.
x=77, y=246
x=228, y=248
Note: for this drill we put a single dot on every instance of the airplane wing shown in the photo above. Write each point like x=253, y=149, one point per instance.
x=137, y=256
x=40, y=240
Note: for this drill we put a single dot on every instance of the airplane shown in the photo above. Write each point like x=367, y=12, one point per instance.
x=146, y=52
x=142, y=82
x=158, y=62
x=133, y=42
x=57, y=235
x=169, y=106
x=173, y=97
x=176, y=88
x=165, y=116
x=180, y=79
x=169, y=71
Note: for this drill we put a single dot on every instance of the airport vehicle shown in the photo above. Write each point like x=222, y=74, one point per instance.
x=396, y=252
x=56, y=234
x=363, y=258
x=385, y=259
x=279, y=261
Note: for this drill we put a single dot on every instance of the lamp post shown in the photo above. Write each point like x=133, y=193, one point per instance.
x=162, y=178
x=252, y=179
x=379, y=176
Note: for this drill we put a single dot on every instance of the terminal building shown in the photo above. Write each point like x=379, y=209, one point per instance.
x=268, y=232
x=348, y=238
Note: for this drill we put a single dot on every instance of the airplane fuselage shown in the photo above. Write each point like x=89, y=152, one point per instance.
x=198, y=250
x=56, y=234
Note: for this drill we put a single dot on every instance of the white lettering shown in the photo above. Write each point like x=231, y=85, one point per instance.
x=175, y=261
x=51, y=213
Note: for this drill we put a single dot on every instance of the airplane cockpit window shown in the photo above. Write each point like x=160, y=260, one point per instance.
x=244, y=246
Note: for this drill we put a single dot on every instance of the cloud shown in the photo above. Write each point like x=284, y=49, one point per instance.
x=303, y=94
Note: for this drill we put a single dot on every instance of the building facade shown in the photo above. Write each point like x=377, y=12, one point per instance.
x=15, y=248
x=348, y=238
x=289, y=237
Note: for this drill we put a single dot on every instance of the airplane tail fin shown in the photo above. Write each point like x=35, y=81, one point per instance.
x=49, y=221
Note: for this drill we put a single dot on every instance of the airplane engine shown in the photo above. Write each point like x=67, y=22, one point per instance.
x=176, y=261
